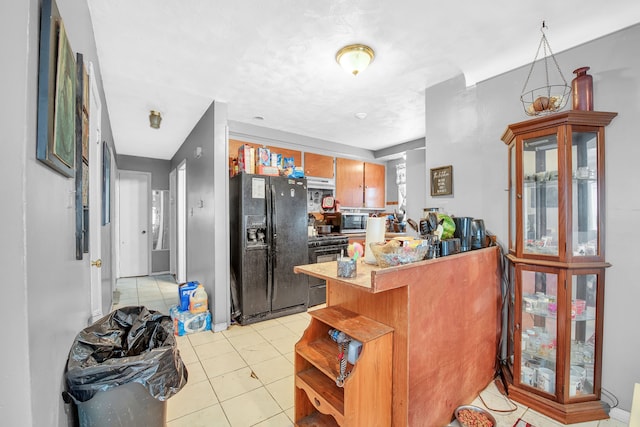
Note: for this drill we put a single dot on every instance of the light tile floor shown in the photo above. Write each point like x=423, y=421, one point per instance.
x=243, y=376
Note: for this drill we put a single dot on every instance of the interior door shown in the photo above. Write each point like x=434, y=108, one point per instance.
x=134, y=212
x=95, y=196
x=173, y=222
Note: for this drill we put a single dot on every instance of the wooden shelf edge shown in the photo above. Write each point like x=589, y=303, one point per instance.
x=355, y=325
x=330, y=398
x=551, y=263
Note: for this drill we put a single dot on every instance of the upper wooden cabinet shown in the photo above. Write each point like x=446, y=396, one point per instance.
x=374, y=179
x=360, y=184
x=318, y=165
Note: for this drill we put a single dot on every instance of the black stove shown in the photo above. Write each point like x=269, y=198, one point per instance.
x=324, y=248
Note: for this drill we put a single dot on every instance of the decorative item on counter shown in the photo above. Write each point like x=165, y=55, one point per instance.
x=347, y=267
x=550, y=97
x=582, y=88
x=355, y=250
x=398, y=252
x=448, y=226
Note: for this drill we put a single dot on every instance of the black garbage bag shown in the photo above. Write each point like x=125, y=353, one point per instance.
x=131, y=344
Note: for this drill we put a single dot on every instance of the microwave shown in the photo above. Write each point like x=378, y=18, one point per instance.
x=352, y=222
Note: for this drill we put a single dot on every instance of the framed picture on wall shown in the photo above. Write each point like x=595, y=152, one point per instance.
x=441, y=181
x=55, y=142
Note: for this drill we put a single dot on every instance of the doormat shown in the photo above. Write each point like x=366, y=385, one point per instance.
x=522, y=423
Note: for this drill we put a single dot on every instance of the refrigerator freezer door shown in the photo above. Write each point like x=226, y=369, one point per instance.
x=289, y=240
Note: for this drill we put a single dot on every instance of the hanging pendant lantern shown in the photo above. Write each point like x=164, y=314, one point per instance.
x=551, y=97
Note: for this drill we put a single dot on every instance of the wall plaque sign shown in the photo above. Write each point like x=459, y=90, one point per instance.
x=442, y=181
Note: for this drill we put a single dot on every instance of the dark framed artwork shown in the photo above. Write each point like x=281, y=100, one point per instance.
x=106, y=184
x=64, y=135
x=55, y=143
x=82, y=168
x=441, y=181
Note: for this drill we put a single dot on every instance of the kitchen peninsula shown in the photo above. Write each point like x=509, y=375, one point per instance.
x=443, y=317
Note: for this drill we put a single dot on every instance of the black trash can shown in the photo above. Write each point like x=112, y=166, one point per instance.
x=123, y=368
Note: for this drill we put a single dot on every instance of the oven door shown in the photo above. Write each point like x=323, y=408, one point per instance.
x=318, y=287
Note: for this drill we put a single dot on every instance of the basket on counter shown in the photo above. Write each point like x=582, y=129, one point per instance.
x=395, y=253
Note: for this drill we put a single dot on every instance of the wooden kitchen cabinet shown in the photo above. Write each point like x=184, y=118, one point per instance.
x=318, y=165
x=365, y=397
x=374, y=188
x=360, y=184
x=556, y=235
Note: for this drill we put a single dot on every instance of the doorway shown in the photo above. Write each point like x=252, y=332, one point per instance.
x=134, y=217
x=181, y=226
x=95, y=197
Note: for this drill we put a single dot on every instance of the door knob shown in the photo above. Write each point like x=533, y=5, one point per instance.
x=97, y=263
x=144, y=231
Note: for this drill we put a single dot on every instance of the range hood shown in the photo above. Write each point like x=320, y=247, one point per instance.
x=321, y=183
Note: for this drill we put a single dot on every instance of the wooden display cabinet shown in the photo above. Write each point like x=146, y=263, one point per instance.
x=360, y=184
x=365, y=398
x=556, y=235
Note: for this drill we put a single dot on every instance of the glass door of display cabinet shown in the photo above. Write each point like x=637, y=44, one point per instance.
x=540, y=196
x=537, y=294
x=585, y=320
x=585, y=195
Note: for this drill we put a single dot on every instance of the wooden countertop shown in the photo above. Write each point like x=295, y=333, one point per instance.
x=375, y=279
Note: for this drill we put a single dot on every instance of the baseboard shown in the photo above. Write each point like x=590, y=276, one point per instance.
x=220, y=327
x=620, y=415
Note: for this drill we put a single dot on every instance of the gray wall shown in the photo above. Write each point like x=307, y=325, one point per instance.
x=207, y=209
x=463, y=128
x=159, y=170
x=47, y=290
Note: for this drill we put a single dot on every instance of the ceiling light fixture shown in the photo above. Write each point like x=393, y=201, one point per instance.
x=154, y=119
x=355, y=58
x=361, y=116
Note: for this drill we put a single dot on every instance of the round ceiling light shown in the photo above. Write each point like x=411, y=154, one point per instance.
x=355, y=58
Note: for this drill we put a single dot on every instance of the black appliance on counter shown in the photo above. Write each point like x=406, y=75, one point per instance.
x=268, y=230
x=323, y=248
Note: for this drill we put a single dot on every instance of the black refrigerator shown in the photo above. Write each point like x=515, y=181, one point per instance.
x=268, y=229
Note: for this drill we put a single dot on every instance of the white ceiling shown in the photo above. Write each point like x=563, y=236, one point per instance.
x=276, y=59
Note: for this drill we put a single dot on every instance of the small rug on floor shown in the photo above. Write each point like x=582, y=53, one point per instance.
x=522, y=423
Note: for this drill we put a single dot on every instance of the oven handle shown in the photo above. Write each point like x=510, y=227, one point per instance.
x=328, y=249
